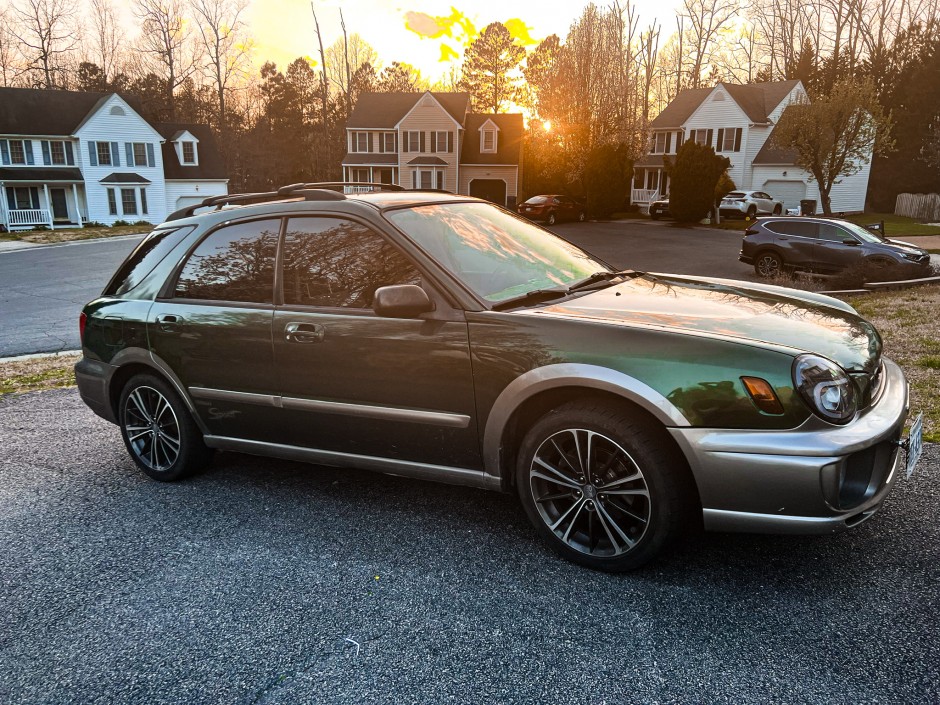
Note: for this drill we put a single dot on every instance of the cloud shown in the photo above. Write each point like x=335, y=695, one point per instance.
x=519, y=31
x=456, y=25
x=448, y=54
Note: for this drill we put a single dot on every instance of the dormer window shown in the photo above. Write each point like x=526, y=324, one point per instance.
x=489, y=137
x=189, y=152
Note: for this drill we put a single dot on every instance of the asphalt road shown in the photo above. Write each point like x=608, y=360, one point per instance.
x=269, y=582
x=44, y=288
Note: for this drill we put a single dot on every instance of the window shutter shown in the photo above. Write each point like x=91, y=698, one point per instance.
x=11, y=196
x=34, y=196
x=370, y=143
x=115, y=154
x=69, y=154
x=4, y=152
x=93, y=153
x=737, y=140
x=691, y=136
x=150, y=159
x=129, y=153
x=433, y=142
x=720, y=144
x=450, y=141
x=422, y=145
x=668, y=142
x=46, y=157
x=28, y=148
x=708, y=138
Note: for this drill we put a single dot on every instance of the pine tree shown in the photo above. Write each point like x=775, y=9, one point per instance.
x=490, y=69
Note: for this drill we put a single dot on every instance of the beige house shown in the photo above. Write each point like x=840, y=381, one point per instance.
x=431, y=141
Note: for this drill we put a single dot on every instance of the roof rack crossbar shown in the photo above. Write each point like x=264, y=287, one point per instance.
x=334, y=184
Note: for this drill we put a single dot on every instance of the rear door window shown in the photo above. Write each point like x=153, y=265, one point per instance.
x=234, y=263
x=145, y=257
x=833, y=233
x=800, y=228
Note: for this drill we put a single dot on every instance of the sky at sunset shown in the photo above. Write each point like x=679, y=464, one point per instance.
x=426, y=33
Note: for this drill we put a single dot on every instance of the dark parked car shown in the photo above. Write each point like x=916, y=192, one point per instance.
x=660, y=208
x=444, y=338
x=552, y=209
x=825, y=245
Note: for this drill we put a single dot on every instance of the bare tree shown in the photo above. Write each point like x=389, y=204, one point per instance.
x=704, y=20
x=343, y=58
x=649, y=54
x=10, y=66
x=45, y=29
x=107, y=40
x=165, y=45
x=226, y=49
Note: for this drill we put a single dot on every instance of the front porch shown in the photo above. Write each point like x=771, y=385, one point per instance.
x=26, y=204
x=649, y=184
x=383, y=171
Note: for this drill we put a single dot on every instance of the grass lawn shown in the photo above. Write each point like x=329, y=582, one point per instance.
x=895, y=225
x=37, y=374
x=69, y=234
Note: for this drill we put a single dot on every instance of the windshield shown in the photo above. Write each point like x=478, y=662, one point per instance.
x=537, y=199
x=863, y=233
x=495, y=254
x=735, y=194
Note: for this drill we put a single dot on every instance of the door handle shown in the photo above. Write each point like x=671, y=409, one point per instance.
x=168, y=321
x=304, y=332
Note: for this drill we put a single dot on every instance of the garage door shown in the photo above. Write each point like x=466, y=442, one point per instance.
x=790, y=192
x=185, y=201
x=491, y=189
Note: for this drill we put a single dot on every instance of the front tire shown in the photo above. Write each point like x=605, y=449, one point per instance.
x=768, y=264
x=159, y=433
x=581, y=217
x=551, y=219
x=602, y=488
x=778, y=209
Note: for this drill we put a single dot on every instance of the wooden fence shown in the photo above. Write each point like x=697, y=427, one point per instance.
x=923, y=206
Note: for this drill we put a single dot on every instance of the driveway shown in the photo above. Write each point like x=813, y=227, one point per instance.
x=263, y=581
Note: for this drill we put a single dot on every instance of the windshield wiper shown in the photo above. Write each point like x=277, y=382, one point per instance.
x=603, y=276
x=532, y=297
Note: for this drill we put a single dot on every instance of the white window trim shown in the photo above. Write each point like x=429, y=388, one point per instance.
x=385, y=147
x=438, y=177
x=354, y=142
x=134, y=146
x=483, y=134
x=408, y=134
x=120, y=200
x=437, y=141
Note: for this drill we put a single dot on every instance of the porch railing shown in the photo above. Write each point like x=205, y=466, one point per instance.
x=29, y=216
x=643, y=195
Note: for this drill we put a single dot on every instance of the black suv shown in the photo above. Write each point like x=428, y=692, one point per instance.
x=442, y=337
x=825, y=245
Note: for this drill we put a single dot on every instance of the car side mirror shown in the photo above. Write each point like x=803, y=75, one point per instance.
x=401, y=301
x=849, y=241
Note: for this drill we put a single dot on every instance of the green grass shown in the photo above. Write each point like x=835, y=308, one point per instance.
x=37, y=374
x=895, y=225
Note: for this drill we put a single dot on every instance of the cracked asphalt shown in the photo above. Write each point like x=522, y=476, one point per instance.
x=264, y=581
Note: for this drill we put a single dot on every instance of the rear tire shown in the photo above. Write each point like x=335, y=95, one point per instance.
x=654, y=215
x=158, y=431
x=581, y=217
x=751, y=213
x=768, y=264
x=551, y=219
x=778, y=209
x=603, y=488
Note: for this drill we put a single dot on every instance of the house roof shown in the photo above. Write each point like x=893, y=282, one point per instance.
x=508, y=145
x=210, y=166
x=124, y=177
x=757, y=100
x=371, y=159
x=435, y=161
x=770, y=153
x=30, y=111
x=40, y=174
x=385, y=110
x=650, y=160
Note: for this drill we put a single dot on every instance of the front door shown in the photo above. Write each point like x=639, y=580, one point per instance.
x=60, y=209
x=356, y=383
x=832, y=251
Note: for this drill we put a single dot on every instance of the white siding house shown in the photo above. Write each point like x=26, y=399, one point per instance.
x=68, y=158
x=738, y=121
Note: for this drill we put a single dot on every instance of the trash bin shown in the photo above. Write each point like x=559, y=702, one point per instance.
x=807, y=206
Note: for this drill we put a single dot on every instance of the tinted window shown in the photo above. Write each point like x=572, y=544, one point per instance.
x=833, y=233
x=147, y=255
x=339, y=263
x=793, y=227
x=235, y=263
x=538, y=199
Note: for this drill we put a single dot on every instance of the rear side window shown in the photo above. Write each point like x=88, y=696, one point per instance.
x=145, y=257
x=792, y=227
x=234, y=263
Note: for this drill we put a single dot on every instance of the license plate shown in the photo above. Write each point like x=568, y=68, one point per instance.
x=915, y=443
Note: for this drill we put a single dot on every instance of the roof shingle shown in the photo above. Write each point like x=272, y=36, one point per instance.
x=385, y=110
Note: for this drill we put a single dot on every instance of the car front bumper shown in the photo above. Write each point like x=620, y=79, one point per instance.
x=814, y=479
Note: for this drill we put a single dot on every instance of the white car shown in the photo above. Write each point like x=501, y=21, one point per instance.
x=749, y=204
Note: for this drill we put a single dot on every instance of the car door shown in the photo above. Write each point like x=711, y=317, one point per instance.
x=356, y=383
x=212, y=326
x=796, y=240
x=568, y=208
x=762, y=201
x=832, y=251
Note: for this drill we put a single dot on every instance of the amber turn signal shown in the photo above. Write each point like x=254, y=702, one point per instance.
x=763, y=395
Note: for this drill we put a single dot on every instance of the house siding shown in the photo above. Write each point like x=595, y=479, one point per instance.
x=176, y=190
x=428, y=117
x=714, y=115
x=847, y=196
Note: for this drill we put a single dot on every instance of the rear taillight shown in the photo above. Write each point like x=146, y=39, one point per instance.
x=750, y=231
x=81, y=327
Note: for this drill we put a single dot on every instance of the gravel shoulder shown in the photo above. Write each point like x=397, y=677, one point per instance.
x=264, y=581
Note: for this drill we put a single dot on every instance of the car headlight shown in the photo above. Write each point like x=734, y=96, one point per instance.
x=912, y=257
x=826, y=388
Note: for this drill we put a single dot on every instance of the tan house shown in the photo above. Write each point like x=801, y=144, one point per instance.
x=431, y=141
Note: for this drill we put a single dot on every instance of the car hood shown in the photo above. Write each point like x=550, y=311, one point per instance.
x=905, y=247
x=749, y=313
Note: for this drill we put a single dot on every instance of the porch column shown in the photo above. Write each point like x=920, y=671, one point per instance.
x=78, y=206
x=45, y=190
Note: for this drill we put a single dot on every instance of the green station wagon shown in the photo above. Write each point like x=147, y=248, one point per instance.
x=444, y=338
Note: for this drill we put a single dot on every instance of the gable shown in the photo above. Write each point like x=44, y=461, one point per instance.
x=379, y=111
x=718, y=109
x=30, y=111
x=756, y=100
x=509, y=146
x=112, y=114
x=426, y=104
x=210, y=166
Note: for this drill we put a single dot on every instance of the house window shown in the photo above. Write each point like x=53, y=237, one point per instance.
x=428, y=178
x=729, y=140
x=189, y=153
x=22, y=197
x=143, y=201
x=103, y=150
x=659, y=143
x=57, y=152
x=388, y=142
x=360, y=175
x=488, y=141
x=117, y=110
x=140, y=154
x=17, y=152
x=112, y=202
x=360, y=141
x=128, y=201
x=414, y=140
x=440, y=139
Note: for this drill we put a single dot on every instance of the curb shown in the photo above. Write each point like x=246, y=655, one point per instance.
x=19, y=245
x=36, y=356
x=885, y=286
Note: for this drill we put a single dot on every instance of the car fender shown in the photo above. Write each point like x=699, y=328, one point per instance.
x=593, y=377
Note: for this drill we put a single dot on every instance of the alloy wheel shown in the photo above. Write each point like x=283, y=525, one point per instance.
x=152, y=429
x=768, y=265
x=590, y=493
